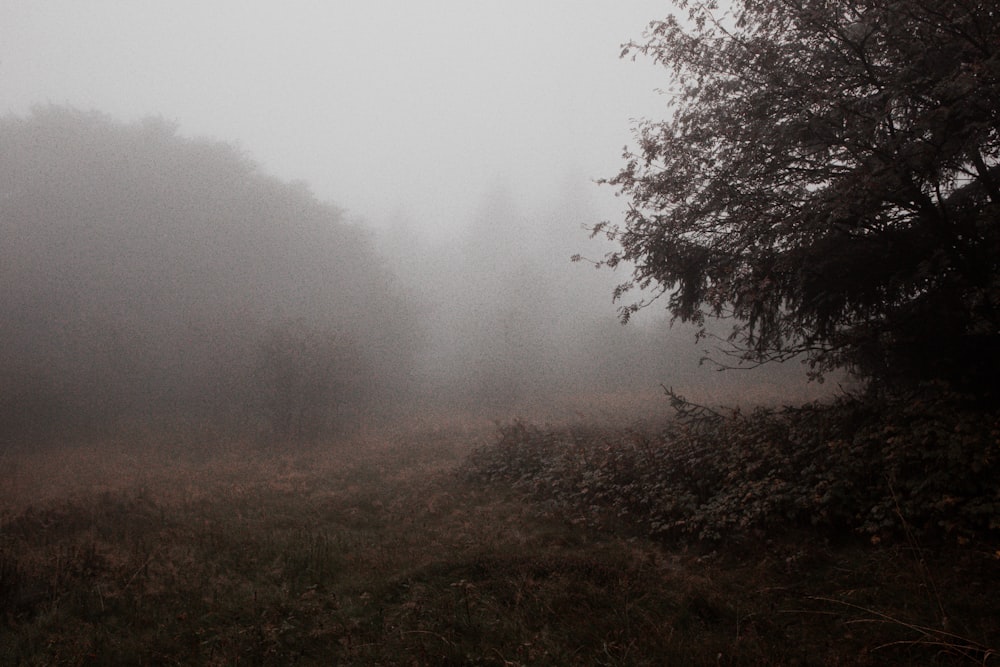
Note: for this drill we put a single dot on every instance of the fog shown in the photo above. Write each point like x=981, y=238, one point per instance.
x=284, y=217
x=379, y=106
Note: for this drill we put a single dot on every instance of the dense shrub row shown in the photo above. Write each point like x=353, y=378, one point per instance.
x=927, y=462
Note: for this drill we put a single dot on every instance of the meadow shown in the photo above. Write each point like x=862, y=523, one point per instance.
x=433, y=543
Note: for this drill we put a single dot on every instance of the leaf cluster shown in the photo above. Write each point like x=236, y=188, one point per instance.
x=925, y=464
x=827, y=175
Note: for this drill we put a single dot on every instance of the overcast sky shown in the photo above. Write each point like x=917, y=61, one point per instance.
x=412, y=106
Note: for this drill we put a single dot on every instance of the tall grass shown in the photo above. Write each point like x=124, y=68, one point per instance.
x=382, y=549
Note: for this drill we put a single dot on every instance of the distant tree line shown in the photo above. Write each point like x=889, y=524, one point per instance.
x=147, y=276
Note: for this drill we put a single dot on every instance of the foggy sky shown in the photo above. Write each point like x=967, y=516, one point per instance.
x=468, y=133
x=381, y=107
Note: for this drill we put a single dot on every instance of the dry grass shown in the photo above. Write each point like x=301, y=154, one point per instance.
x=374, y=552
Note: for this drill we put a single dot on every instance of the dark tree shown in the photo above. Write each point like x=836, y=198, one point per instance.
x=828, y=175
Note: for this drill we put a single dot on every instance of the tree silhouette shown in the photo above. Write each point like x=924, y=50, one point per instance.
x=828, y=175
x=142, y=273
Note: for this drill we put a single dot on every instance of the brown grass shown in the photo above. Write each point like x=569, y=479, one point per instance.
x=374, y=551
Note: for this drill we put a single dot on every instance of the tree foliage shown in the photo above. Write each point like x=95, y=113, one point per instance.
x=828, y=175
x=144, y=275
x=303, y=373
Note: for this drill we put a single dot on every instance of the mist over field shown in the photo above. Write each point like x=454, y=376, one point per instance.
x=511, y=323
x=312, y=346
x=332, y=214
x=152, y=276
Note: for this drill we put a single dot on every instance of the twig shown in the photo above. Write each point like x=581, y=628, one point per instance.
x=141, y=568
x=432, y=634
x=921, y=564
x=932, y=636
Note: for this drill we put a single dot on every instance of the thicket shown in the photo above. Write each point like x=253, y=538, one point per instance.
x=924, y=465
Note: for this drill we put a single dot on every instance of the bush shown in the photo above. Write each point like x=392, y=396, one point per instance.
x=926, y=462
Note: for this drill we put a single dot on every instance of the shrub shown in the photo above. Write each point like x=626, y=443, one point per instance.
x=927, y=461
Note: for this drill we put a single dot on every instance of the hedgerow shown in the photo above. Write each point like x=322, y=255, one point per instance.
x=926, y=463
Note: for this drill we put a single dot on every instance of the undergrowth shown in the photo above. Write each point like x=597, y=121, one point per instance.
x=390, y=550
x=926, y=464
x=910, y=485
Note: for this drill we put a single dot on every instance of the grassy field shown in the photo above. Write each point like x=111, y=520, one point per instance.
x=377, y=550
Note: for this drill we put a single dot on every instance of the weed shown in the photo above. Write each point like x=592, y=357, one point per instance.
x=926, y=462
x=391, y=550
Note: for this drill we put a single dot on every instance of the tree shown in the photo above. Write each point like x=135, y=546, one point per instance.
x=303, y=375
x=829, y=177
x=143, y=272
